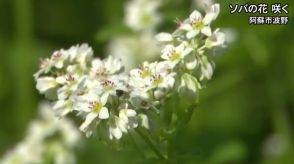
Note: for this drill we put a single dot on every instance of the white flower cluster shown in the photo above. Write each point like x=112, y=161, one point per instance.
x=114, y=102
x=95, y=89
x=47, y=139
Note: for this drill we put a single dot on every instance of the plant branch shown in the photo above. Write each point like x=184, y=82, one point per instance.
x=151, y=144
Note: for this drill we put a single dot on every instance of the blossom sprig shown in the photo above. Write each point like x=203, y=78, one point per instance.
x=105, y=96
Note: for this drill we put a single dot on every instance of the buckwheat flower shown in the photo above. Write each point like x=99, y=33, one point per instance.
x=58, y=59
x=132, y=49
x=164, y=37
x=189, y=85
x=197, y=24
x=63, y=107
x=102, y=69
x=45, y=84
x=114, y=130
x=81, y=54
x=206, y=68
x=140, y=76
x=111, y=85
x=67, y=96
x=45, y=66
x=140, y=98
x=142, y=14
x=97, y=69
x=216, y=39
x=144, y=121
x=191, y=61
x=213, y=10
x=76, y=70
x=113, y=65
x=158, y=94
x=39, y=141
x=127, y=118
x=175, y=54
x=121, y=124
x=70, y=85
x=162, y=76
x=163, y=80
x=93, y=106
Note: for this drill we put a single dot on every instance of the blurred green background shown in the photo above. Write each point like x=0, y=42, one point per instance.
x=246, y=113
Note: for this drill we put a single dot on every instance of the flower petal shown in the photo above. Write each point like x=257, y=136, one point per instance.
x=89, y=118
x=103, y=114
x=195, y=15
x=192, y=33
x=131, y=113
x=45, y=83
x=206, y=31
x=186, y=27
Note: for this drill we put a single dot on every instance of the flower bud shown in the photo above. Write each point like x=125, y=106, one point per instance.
x=189, y=86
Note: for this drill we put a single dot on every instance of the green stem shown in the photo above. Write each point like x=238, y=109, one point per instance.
x=171, y=155
x=150, y=144
x=136, y=146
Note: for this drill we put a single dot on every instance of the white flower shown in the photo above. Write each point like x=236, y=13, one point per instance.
x=126, y=115
x=71, y=85
x=81, y=54
x=206, y=68
x=140, y=98
x=162, y=76
x=132, y=49
x=164, y=37
x=126, y=120
x=94, y=107
x=63, y=107
x=175, y=54
x=46, y=83
x=114, y=131
x=113, y=65
x=162, y=80
x=142, y=15
x=139, y=77
x=58, y=59
x=45, y=66
x=213, y=10
x=216, y=39
x=35, y=146
x=191, y=61
x=189, y=86
x=111, y=85
x=196, y=23
x=144, y=121
x=102, y=69
x=151, y=75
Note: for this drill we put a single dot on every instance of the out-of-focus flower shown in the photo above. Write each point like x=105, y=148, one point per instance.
x=164, y=37
x=216, y=39
x=134, y=49
x=46, y=136
x=142, y=14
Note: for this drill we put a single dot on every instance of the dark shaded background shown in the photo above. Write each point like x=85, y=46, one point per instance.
x=245, y=113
